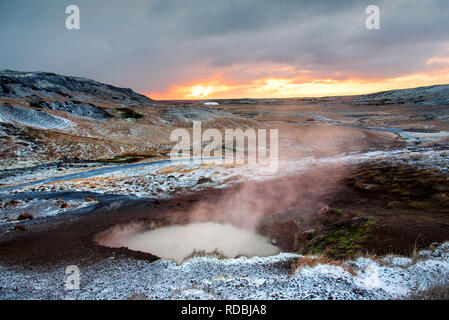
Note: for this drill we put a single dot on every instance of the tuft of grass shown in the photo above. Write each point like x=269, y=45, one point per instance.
x=395, y=204
x=174, y=169
x=436, y=292
x=312, y=261
x=336, y=210
x=202, y=253
x=138, y=296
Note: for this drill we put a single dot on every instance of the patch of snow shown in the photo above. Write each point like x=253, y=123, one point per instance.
x=397, y=261
x=212, y=278
x=38, y=208
x=33, y=118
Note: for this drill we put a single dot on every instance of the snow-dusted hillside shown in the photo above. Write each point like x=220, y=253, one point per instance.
x=422, y=96
x=16, y=84
x=65, y=116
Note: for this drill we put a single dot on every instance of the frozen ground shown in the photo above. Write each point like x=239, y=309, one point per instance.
x=165, y=178
x=25, y=172
x=12, y=210
x=242, y=278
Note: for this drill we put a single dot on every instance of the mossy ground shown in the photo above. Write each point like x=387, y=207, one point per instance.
x=343, y=242
x=404, y=206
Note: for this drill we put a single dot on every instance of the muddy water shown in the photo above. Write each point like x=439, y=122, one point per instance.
x=177, y=242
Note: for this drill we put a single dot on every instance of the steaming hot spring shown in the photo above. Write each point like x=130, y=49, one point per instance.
x=177, y=242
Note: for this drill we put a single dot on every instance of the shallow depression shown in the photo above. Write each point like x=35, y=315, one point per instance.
x=180, y=241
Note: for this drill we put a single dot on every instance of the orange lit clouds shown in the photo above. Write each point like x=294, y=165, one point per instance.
x=290, y=85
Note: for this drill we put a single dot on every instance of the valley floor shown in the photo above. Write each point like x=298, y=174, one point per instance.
x=368, y=192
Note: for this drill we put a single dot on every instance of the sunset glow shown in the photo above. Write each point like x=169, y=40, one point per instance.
x=299, y=86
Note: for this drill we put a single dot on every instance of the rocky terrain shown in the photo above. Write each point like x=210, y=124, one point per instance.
x=360, y=181
x=45, y=116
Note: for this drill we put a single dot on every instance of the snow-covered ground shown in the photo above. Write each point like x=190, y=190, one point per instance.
x=242, y=278
x=163, y=179
x=12, y=210
x=32, y=174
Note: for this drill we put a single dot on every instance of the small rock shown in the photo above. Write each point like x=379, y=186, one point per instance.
x=204, y=180
x=360, y=186
x=324, y=210
x=25, y=216
x=20, y=227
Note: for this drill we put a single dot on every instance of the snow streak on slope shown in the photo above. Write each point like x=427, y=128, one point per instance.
x=32, y=118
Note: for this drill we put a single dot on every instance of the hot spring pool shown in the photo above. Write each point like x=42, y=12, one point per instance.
x=180, y=241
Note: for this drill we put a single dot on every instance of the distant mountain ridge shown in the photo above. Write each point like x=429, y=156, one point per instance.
x=420, y=96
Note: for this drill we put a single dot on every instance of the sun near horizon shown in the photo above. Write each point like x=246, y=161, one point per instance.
x=294, y=87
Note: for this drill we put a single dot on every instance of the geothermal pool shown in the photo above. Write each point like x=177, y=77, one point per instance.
x=180, y=241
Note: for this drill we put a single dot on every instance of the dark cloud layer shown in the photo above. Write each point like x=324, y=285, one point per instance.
x=151, y=45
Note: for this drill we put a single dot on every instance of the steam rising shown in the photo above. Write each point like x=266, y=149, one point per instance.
x=228, y=223
x=178, y=242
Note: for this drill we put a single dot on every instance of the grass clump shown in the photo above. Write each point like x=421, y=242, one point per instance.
x=312, y=261
x=203, y=253
x=395, y=204
x=435, y=292
x=337, y=210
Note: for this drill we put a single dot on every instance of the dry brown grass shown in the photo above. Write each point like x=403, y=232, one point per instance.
x=312, y=261
x=84, y=180
x=137, y=296
x=13, y=101
x=173, y=169
x=436, y=292
x=207, y=164
x=167, y=170
x=203, y=253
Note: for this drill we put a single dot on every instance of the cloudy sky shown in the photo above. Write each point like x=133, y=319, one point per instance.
x=226, y=48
